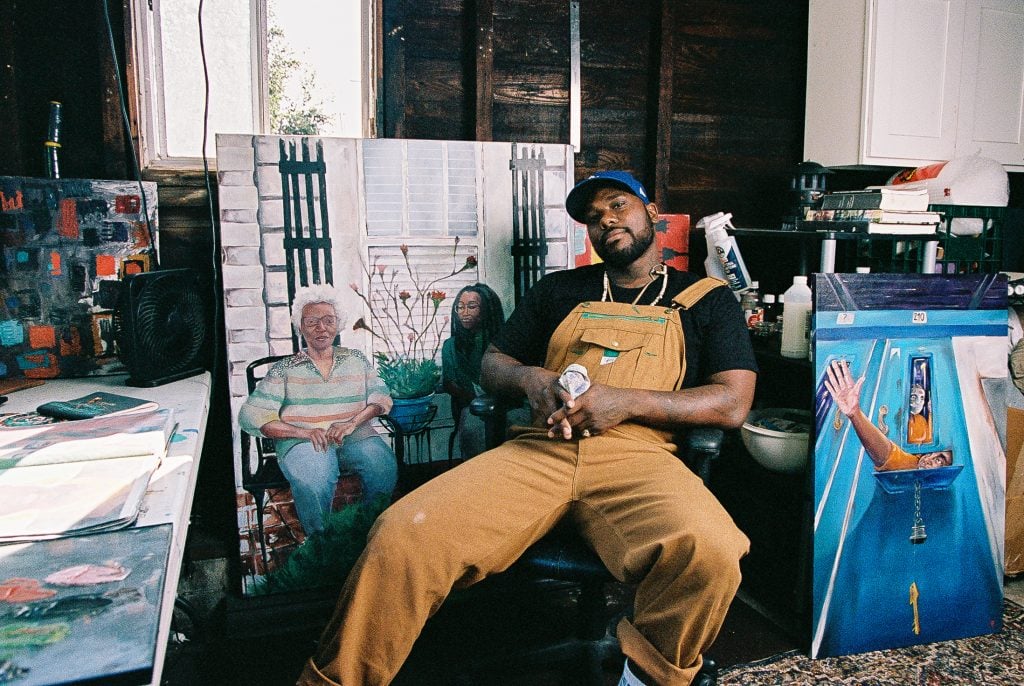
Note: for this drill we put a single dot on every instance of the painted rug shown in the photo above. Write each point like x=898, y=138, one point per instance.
x=991, y=660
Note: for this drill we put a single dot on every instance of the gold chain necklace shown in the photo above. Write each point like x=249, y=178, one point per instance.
x=660, y=270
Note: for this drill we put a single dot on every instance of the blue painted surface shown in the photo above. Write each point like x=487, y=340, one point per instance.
x=864, y=562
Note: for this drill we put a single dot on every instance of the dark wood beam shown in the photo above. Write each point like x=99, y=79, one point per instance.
x=662, y=94
x=114, y=151
x=394, y=72
x=484, y=36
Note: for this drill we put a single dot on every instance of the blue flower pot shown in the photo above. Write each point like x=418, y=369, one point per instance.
x=413, y=414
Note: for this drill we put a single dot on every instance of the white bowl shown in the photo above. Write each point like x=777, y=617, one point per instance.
x=778, y=450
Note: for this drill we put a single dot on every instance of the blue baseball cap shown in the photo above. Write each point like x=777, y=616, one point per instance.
x=579, y=197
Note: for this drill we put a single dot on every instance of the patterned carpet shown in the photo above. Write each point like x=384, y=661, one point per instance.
x=990, y=660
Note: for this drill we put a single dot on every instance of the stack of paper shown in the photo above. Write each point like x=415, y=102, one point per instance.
x=78, y=477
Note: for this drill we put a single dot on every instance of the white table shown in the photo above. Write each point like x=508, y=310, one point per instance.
x=168, y=499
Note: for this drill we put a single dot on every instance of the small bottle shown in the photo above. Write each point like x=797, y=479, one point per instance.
x=771, y=309
x=52, y=144
x=750, y=302
x=796, y=319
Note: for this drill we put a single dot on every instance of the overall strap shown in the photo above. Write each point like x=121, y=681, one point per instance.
x=690, y=296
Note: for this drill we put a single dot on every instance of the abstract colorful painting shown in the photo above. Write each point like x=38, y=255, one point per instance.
x=909, y=469
x=62, y=240
x=84, y=608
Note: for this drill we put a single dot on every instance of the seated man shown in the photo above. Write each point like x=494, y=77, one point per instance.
x=664, y=350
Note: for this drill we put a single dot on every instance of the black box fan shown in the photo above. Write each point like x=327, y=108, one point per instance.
x=161, y=325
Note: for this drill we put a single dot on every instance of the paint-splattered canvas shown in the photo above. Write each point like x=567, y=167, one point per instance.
x=909, y=469
x=62, y=240
x=84, y=608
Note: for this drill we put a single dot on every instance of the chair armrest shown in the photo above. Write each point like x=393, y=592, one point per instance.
x=494, y=414
x=700, y=447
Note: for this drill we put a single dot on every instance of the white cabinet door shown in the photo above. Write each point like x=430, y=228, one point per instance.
x=910, y=82
x=913, y=71
x=991, y=121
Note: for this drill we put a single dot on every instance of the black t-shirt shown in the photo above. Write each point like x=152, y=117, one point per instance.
x=714, y=329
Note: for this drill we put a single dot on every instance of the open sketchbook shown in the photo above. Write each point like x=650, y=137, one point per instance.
x=99, y=438
x=78, y=477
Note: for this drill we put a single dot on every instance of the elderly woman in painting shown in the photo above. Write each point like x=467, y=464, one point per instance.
x=317, y=405
x=884, y=453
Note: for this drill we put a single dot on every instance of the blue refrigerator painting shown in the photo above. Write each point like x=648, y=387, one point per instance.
x=909, y=470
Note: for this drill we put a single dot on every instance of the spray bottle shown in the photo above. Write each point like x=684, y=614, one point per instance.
x=722, y=249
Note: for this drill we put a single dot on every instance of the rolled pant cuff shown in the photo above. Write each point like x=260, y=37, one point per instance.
x=311, y=676
x=649, y=660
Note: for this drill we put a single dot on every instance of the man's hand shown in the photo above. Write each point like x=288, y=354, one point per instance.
x=841, y=386
x=598, y=409
x=544, y=393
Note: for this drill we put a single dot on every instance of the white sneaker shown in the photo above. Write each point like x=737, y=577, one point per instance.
x=628, y=678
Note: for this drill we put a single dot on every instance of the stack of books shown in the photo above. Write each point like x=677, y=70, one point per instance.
x=875, y=210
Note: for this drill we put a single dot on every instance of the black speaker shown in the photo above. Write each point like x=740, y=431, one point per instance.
x=160, y=323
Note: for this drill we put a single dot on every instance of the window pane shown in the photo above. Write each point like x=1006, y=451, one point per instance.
x=227, y=38
x=315, y=60
x=420, y=187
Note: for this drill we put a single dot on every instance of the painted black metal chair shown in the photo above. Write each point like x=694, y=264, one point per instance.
x=563, y=556
x=264, y=474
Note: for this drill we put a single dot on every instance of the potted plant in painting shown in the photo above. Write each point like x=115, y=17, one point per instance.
x=411, y=325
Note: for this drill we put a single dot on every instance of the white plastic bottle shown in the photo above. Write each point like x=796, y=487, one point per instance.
x=750, y=302
x=796, y=314
x=712, y=265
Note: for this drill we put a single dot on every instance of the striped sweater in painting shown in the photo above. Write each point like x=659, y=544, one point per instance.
x=295, y=392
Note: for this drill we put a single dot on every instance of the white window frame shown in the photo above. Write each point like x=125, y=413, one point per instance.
x=149, y=110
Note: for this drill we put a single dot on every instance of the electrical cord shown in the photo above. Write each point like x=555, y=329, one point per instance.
x=128, y=132
x=206, y=171
x=209, y=193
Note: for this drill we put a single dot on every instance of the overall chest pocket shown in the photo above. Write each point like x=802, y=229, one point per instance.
x=625, y=351
x=610, y=355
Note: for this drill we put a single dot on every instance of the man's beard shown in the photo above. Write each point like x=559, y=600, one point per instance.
x=623, y=257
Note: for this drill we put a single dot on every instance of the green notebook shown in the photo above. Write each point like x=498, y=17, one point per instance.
x=95, y=405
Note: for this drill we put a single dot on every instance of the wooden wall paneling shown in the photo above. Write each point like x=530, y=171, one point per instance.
x=484, y=70
x=531, y=71
x=10, y=124
x=393, y=92
x=737, y=121
x=618, y=44
x=115, y=162
x=661, y=141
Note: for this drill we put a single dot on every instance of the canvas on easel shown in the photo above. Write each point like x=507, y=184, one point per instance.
x=909, y=469
x=61, y=240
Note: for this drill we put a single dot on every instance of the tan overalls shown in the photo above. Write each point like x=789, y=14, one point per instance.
x=650, y=519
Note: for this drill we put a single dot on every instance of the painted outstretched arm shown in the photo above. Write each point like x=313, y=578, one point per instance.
x=846, y=394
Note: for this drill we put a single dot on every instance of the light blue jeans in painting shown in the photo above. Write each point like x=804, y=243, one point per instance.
x=313, y=475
